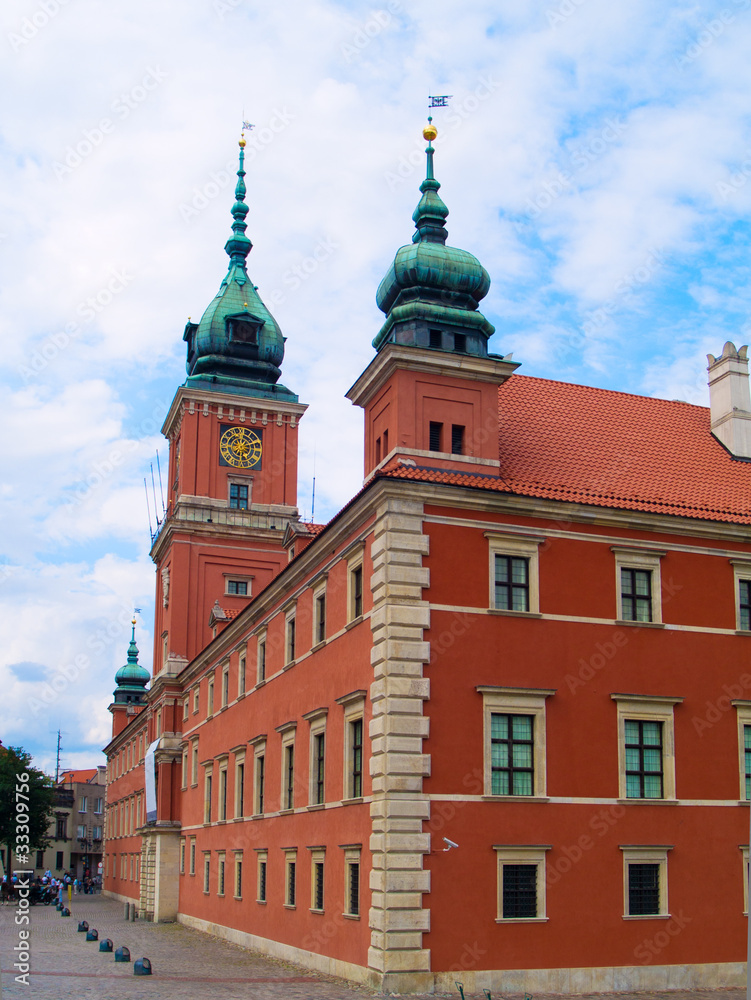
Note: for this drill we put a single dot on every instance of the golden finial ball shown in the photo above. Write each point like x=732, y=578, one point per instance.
x=429, y=132
x=133, y=620
x=242, y=142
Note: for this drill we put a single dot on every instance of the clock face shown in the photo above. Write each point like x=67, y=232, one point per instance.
x=240, y=447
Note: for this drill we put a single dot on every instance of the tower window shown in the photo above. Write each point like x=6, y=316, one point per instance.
x=238, y=496
x=460, y=342
x=239, y=587
x=378, y=450
x=457, y=439
x=436, y=436
x=243, y=332
x=436, y=338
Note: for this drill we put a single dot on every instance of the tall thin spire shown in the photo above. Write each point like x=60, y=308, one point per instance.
x=238, y=246
x=430, y=214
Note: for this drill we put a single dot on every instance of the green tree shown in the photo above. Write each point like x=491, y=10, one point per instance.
x=26, y=795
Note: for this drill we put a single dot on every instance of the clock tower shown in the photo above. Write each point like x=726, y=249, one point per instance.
x=232, y=480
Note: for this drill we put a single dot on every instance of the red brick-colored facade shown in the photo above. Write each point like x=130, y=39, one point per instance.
x=488, y=723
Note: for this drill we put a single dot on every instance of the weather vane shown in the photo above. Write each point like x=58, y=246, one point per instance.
x=439, y=100
x=247, y=127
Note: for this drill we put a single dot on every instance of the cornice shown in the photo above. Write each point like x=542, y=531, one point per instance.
x=210, y=402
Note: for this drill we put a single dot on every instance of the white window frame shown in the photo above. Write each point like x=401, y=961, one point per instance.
x=743, y=716
x=182, y=855
x=238, y=578
x=355, y=561
x=741, y=571
x=290, y=629
x=287, y=731
x=644, y=559
x=261, y=657
x=317, y=721
x=206, y=872
x=317, y=857
x=516, y=701
x=234, y=480
x=518, y=546
x=520, y=854
x=222, y=763
x=239, y=798
x=648, y=708
x=242, y=672
x=224, y=696
x=319, y=592
x=353, y=705
x=745, y=875
x=262, y=858
x=194, y=762
x=221, y=873
x=208, y=791
x=646, y=854
x=184, y=777
x=352, y=856
x=210, y=696
x=259, y=753
x=192, y=856
x=290, y=858
x=237, y=888
x=196, y=698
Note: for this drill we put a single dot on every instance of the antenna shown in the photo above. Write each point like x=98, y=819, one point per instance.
x=153, y=487
x=161, y=491
x=147, y=507
x=313, y=497
x=57, y=764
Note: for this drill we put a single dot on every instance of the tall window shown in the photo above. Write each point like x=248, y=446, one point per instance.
x=291, y=895
x=352, y=881
x=207, y=797
x=290, y=639
x=238, y=876
x=261, y=665
x=241, y=674
x=512, y=754
x=262, y=862
x=210, y=705
x=747, y=758
x=319, y=767
x=238, y=496
x=316, y=901
x=260, y=783
x=744, y=605
x=320, y=617
x=643, y=759
x=289, y=776
x=356, y=584
x=206, y=871
x=240, y=787
x=636, y=595
x=220, y=876
x=193, y=856
x=435, y=436
x=643, y=889
x=225, y=686
x=511, y=583
x=355, y=736
x=519, y=891
x=457, y=439
x=223, y=793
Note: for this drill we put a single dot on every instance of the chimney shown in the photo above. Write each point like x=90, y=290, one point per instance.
x=730, y=400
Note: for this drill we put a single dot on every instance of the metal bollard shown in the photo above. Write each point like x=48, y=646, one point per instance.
x=122, y=954
x=105, y=945
x=127, y=910
x=92, y=935
x=83, y=925
x=142, y=967
x=132, y=911
x=65, y=912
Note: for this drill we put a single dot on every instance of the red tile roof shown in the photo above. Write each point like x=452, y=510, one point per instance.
x=83, y=776
x=609, y=449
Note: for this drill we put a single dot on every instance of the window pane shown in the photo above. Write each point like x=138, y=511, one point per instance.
x=519, y=891
x=652, y=733
x=643, y=888
x=499, y=728
x=499, y=783
x=522, y=727
x=522, y=783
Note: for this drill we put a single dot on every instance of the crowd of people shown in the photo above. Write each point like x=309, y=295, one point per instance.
x=46, y=883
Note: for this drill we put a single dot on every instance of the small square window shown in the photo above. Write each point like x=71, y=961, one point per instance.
x=239, y=587
x=636, y=595
x=238, y=496
x=638, y=584
x=645, y=880
x=511, y=583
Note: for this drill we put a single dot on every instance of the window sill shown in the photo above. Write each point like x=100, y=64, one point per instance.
x=351, y=916
x=194, y=784
x=258, y=815
x=290, y=906
x=285, y=812
x=288, y=666
x=209, y=715
x=320, y=912
x=515, y=614
x=646, y=916
x=237, y=819
x=647, y=802
x=521, y=920
x=240, y=696
x=347, y=627
x=261, y=902
x=515, y=798
x=322, y=805
x=743, y=631
x=220, y=822
x=223, y=709
x=237, y=897
x=352, y=802
x=314, y=649
x=259, y=684
x=633, y=624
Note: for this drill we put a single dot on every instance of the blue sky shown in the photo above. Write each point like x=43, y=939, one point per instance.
x=595, y=157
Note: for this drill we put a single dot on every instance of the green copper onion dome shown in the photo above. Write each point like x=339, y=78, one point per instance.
x=237, y=347
x=431, y=292
x=131, y=679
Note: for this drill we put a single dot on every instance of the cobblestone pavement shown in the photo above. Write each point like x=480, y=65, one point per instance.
x=187, y=965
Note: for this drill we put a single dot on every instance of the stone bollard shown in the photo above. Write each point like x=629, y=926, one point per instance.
x=127, y=910
x=122, y=954
x=142, y=967
x=132, y=911
x=105, y=945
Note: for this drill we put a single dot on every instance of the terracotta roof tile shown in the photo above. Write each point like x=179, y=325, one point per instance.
x=82, y=776
x=609, y=449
